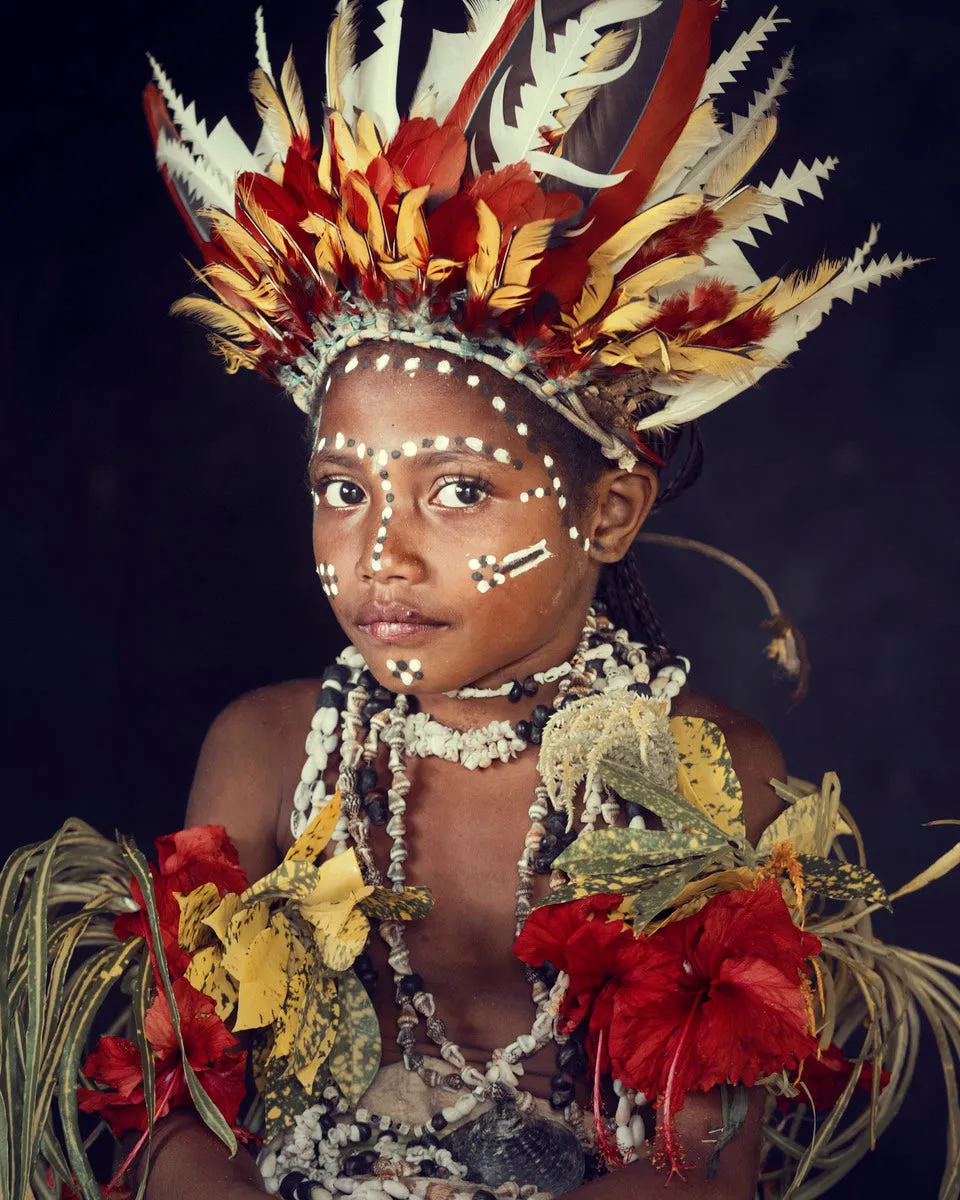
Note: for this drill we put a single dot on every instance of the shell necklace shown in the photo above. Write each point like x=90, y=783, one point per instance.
x=370, y=716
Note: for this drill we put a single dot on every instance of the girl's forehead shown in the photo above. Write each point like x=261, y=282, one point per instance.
x=407, y=398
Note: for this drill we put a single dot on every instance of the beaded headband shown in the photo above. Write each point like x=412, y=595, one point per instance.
x=561, y=203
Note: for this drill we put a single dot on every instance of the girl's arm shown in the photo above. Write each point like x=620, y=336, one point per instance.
x=188, y=1162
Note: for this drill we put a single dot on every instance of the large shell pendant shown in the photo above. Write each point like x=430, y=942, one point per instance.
x=503, y=1145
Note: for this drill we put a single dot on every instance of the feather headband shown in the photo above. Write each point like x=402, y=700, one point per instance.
x=561, y=203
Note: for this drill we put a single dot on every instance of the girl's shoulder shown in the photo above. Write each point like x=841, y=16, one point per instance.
x=756, y=756
x=249, y=766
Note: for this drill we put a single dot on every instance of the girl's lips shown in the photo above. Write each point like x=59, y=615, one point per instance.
x=394, y=632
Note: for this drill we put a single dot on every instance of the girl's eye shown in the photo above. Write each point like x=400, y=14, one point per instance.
x=341, y=493
x=462, y=493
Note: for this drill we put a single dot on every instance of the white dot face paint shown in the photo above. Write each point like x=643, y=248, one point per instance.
x=352, y=365
x=382, y=361
x=328, y=578
x=489, y=572
x=407, y=672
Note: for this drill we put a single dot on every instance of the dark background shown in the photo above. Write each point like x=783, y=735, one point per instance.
x=158, y=559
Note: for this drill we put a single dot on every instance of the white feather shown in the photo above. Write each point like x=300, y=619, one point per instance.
x=207, y=186
x=558, y=71
x=376, y=77
x=790, y=188
x=862, y=251
x=192, y=131
x=569, y=172
x=453, y=57
x=735, y=59
x=263, y=58
x=742, y=126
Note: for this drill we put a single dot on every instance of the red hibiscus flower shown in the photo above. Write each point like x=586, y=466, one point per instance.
x=822, y=1080
x=187, y=859
x=209, y=1050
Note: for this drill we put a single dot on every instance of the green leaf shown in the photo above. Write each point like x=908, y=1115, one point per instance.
x=283, y=1101
x=734, y=1102
x=634, y=786
x=646, y=904
x=142, y=989
x=623, y=884
x=355, y=1058
x=208, y=1111
x=611, y=851
x=385, y=905
x=107, y=967
x=319, y=1020
x=841, y=880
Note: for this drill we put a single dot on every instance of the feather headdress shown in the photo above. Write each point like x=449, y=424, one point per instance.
x=561, y=203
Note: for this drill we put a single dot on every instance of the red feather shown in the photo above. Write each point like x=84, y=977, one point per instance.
x=688, y=236
x=158, y=118
x=669, y=107
x=424, y=152
x=745, y=330
x=462, y=110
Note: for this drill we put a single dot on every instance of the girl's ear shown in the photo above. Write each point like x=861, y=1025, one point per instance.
x=622, y=502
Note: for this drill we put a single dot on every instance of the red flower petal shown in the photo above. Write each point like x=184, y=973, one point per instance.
x=116, y=1064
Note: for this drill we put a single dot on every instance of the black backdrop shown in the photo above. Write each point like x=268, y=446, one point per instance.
x=158, y=558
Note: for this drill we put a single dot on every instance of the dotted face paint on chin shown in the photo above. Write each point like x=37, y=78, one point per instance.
x=406, y=672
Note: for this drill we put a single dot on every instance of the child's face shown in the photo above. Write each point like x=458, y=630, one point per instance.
x=441, y=531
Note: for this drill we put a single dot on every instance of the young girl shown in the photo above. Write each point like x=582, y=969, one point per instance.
x=500, y=315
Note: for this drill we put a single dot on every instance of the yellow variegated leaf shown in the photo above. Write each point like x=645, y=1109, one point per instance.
x=288, y=1022
x=355, y=1058
x=207, y=975
x=283, y=1101
x=246, y=924
x=812, y=820
x=384, y=904
x=339, y=949
x=195, y=907
x=294, y=878
x=705, y=774
x=313, y=841
x=317, y=1029
x=223, y=914
x=337, y=878
x=263, y=975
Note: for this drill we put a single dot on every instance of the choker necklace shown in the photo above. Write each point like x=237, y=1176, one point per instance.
x=514, y=689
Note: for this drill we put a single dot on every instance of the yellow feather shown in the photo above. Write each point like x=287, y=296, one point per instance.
x=596, y=292
x=240, y=241
x=658, y=274
x=234, y=358
x=271, y=108
x=259, y=294
x=324, y=175
x=272, y=231
x=369, y=145
x=376, y=229
x=483, y=265
x=629, y=317
x=344, y=146
x=736, y=366
x=403, y=270
x=799, y=287
x=341, y=50
x=622, y=246
x=699, y=134
x=441, y=268
x=725, y=177
x=220, y=317
x=413, y=241
x=354, y=244
x=510, y=296
x=293, y=95
x=649, y=350
x=525, y=251
x=743, y=206
x=328, y=252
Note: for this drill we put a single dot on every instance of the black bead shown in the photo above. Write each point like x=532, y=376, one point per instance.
x=367, y=680
x=522, y=729
x=337, y=673
x=548, y=843
x=290, y=1182
x=640, y=689
x=483, y=1194
x=530, y=686
x=536, y=735
x=389, y=1134
x=560, y=1080
x=543, y=864
x=304, y=1191
x=428, y=1168
x=331, y=698
x=556, y=823
x=571, y=1057
x=366, y=780
x=594, y=664
x=515, y=695
x=438, y=1121
x=327, y=1123
x=377, y=810
x=561, y=1097
x=592, y=1166
x=373, y=706
x=540, y=716
x=360, y=1164
x=549, y=973
x=632, y=810
x=429, y=1139
x=364, y=1130
x=595, y=640
x=409, y=985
